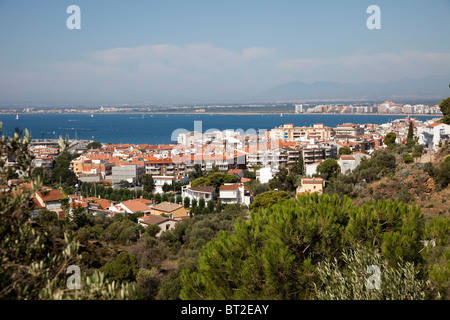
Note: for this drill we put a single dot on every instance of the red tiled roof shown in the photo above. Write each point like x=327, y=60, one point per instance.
x=153, y=219
x=167, y=206
x=51, y=195
x=208, y=189
x=229, y=187
x=312, y=180
x=136, y=206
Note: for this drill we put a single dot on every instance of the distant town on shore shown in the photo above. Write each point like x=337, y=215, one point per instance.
x=346, y=107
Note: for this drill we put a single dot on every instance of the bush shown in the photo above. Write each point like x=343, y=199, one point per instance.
x=407, y=158
x=123, y=268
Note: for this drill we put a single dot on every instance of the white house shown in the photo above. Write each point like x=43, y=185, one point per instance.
x=207, y=193
x=235, y=193
x=348, y=163
x=265, y=174
x=311, y=168
x=430, y=136
x=159, y=181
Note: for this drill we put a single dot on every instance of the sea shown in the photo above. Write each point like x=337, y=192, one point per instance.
x=163, y=128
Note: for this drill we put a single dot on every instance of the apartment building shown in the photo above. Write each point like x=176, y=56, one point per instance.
x=165, y=167
x=288, y=132
x=130, y=172
x=316, y=152
x=348, y=130
x=159, y=181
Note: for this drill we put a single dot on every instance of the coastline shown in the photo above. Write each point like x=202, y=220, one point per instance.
x=230, y=113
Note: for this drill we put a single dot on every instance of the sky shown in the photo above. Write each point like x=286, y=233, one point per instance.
x=178, y=51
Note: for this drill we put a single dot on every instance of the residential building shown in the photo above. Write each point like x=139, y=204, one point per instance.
x=207, y=193
x=171, y=210
x=45, y=162
x=432, y=135
x=311, y=168
x=165, y=167
x=50, y=199
x=238, y=173
x=348, y=163
x=159, y=181
x=348, y=130
x=164, y=223
x=298, y=108
x=288, y=132
x=265, y=174
x=137, y=205
x=131, y=173
x=311, y=185
x=316, y=152
x=235, y=193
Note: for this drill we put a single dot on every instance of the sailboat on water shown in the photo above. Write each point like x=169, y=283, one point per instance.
x=17, y=116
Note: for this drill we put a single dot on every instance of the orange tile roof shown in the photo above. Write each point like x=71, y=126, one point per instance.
x=136, y=205
x=312, y=180
x=153, y=219
x=229, y=187
x=167, y=206
x=51, y=195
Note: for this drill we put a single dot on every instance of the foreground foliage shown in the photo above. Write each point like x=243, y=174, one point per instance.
x=276, y=253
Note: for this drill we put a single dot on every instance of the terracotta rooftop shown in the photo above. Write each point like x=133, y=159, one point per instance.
x=229, y=187
x=208, y=189
x=153, y=219
x=167, y=206
x=50, y=195
x=235, y=171
x=312, y=180
x=136, y=206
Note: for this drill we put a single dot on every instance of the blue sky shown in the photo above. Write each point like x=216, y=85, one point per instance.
x=174, y=51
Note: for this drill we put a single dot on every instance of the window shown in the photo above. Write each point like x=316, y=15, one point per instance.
x=167, y=226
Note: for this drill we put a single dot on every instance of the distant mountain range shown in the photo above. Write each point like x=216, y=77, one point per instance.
x=426, y=88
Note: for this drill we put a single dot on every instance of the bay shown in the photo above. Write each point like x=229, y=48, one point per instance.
x=159, y=128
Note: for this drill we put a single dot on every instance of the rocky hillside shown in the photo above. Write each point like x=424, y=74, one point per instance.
x=413, y=183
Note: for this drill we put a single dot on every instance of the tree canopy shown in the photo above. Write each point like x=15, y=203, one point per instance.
x=445, y=109
x=274, y=255
x=390, y=138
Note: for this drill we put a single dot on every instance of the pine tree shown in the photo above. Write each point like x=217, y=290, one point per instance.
x=274, y=255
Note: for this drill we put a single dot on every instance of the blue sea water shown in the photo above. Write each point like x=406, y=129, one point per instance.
x=158, y=128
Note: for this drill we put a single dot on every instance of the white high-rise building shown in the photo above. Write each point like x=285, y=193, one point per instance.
x=298, y=108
